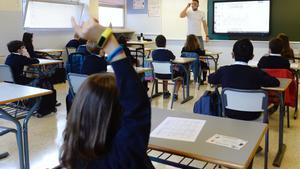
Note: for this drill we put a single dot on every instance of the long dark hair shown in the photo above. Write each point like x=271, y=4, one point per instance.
x=93, y=121
x=27, y=39
x=287, y=51
x=192, y=43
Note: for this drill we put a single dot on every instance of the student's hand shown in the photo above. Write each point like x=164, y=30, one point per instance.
x=188, y=5
x=24, y=52
x=90, y=30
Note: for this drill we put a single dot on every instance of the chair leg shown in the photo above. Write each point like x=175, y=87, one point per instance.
x=20, y=146
x=175, y=85
x=183, y=89
x=266, y=149
x=153, y=85
x=288, y=116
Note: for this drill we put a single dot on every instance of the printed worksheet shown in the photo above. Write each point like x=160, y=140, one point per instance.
x=176, y=128
x=227, y=141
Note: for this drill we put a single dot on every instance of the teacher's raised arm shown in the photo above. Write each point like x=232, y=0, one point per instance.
x=196, y=19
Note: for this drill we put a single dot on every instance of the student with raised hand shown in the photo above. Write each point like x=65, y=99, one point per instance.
x=109, y=122
x=17, y=59
x=241, y=76
x=274, y=60
x=287, y=51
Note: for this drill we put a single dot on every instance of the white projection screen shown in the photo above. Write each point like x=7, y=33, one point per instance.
x=242, y=17
x=51, y=15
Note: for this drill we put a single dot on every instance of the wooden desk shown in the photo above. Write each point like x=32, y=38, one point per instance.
x=295, y=68
x=140, y=49
x=284, y=83
x=54, y=52
x=48, y=62
x=11, y=93
x=252, y=132
x=139, y=70
x=214, y=56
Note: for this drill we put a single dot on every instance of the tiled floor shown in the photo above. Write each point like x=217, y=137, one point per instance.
x=45, y=136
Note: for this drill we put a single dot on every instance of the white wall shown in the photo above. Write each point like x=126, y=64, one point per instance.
x=152, y=26
x=12, y=29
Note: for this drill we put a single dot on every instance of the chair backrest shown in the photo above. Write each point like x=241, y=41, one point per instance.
x=75, y=81
x=190, y=55
x=70, y=50
x=196, y=66
x=75, y=62
x=160, y=67
x=6, y=74
x=245, y=100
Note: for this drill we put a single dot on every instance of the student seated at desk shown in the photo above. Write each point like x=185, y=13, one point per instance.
x=17, y=59
x=109, y=122
x=287, y=51
x=241, y=76
x=94, y=62
x=73, y=43
x=165, y=55
x=27, y=40
x=122, y=41
x=192, y=44
x=274, y=60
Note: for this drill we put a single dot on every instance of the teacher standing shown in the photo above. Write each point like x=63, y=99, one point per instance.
x=195, y=18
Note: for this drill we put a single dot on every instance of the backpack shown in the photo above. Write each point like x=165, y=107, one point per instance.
x=209, y=104
x=48, y=102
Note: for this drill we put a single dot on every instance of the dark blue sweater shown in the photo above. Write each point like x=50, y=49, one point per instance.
x=17, y=63
x=74, y=43
x=242, y=77
x=162, y=55
x=94, y=64
x=273, y=62
x=129, y=145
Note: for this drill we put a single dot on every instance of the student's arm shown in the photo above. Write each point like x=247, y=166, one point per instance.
x=215, y=78
x=267, y=80
x=184, y=12
x=130, y=143
x=261, y=63
x=200, y=52
x=29, y=61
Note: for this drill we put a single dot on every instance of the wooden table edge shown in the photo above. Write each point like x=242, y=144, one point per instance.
x=27, y=97
x=209, y=159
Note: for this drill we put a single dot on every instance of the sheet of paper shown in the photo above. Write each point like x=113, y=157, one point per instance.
x=175, y=128
x=227, y=141
x=154, y=8
x=138, y=4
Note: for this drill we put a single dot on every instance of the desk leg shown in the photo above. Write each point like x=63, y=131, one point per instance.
x=297, y=90
x=25, y=132
x=281, y=146
x=188, y=97
x=18, y=135
x=156, y=91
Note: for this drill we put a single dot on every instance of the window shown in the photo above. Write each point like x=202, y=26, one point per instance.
x=51, y=15
x=113, y=15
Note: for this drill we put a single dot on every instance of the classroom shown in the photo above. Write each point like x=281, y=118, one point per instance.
x=138, y=84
